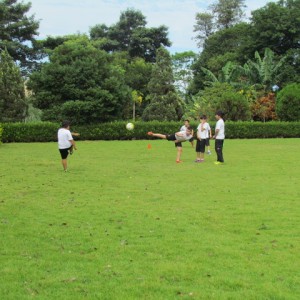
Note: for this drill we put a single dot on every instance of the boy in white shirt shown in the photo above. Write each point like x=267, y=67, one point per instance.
x=202, y=135
x=177, y=138
x=66, y=144
x=219, y=136
x=184, y=127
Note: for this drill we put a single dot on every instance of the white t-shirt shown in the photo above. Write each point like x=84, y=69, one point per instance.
x=221, y=126
x=203, y=134
x=183, y=136
x=183, y=128
x=64, y=137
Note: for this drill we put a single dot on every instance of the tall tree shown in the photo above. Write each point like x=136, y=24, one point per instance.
x=204, y=27
x=80, y=82
x=222, y=14
x=12, y=93
x=228, y=12
x=276, y=26
x=182, y=70
x=165, y=104
x=131, y=34
x=17, y=33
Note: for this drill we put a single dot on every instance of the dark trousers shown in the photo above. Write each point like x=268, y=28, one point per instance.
x=219, y=150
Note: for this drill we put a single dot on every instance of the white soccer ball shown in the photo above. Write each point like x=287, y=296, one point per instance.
x=129, y=126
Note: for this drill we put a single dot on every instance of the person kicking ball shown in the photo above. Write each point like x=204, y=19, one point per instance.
x=66, y=143
x=177, y=138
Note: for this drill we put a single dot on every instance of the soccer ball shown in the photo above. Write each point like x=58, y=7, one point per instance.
x=129, y=126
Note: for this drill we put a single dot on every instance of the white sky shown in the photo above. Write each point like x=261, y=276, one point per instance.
x=62, y=17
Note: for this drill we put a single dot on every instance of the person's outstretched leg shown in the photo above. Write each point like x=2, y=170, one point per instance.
x=159, y=135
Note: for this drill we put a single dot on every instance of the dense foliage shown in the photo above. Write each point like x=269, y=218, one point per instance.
x=12, y=94
x=123, y=71
x=275, y=26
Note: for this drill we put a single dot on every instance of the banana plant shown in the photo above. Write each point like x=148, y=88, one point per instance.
x=263, y=70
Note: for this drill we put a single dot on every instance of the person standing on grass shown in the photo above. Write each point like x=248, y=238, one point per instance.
x=66, y=143
x=177, y=138
x=202, y=135
x=219, y=137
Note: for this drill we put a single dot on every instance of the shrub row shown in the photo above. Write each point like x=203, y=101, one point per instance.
x=47, y=132
x=29, y=132
x=1, y=130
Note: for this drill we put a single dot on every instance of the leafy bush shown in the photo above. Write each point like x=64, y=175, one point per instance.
x=263, y=109
x=47, y=132
x=221, y=96
x=235, y=106
x=288, y=103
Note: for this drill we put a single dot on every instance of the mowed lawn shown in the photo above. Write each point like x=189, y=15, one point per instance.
x=127, y=222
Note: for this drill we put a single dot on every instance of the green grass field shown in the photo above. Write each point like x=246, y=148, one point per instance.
x=127, y=222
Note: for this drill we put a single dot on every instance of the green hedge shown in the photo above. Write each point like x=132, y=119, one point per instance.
x=47, y=132
x=254, y=130
x=29, y=132
x=1, y=130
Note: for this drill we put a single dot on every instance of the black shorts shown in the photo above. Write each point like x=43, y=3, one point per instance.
x=64, y=152
x=200, y=146
x=207, y=142
x=172, y=137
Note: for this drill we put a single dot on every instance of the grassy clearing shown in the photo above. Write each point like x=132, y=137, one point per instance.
x=127, y=222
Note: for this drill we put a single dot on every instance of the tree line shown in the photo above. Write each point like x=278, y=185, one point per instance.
x=124, y=71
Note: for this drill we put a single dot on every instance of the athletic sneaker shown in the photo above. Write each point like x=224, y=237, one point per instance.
x=219, y=163
x=150, y=133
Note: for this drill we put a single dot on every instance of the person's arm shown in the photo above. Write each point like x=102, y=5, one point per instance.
x=216, y=133
x=75, y=134
x=73, y=144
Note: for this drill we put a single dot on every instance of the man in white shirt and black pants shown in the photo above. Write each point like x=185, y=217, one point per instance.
x=66, y=143
x=219, y=137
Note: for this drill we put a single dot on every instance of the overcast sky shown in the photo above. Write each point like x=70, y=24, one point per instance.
x=62, y=17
